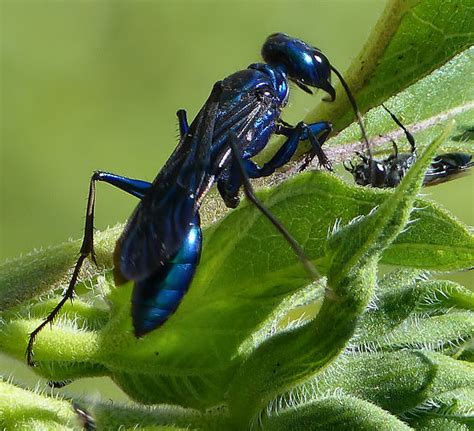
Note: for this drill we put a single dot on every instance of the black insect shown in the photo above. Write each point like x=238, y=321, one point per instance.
x=160, y=246
x=389, y=172
x=58, y=384
x=86, y=420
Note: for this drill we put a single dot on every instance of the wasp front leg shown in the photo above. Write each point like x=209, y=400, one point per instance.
x=316, y=133
x=230, y=180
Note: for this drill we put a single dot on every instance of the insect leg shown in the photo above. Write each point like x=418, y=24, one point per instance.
x=230, y=181
x=248, y=189
x=136, y=188
x=316, y=133
x=229, y=184
x=316, y=149
x=182, y=122
x=348, y=166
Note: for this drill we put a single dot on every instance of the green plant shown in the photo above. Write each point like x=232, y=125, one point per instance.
x=389, y=354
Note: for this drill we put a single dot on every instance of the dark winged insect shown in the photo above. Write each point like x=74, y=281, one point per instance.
x=389, y=172
x=160, y=246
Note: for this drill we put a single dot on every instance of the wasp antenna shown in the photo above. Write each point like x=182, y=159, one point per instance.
x=395, y=148
x=408, y=135
x=356, y=111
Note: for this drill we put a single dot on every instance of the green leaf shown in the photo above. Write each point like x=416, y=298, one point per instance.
x=449, y=411
x=334, y=413
x=352, y=253
x=38, y=272
x=309, y=205
x=395, y=381
x=411, y=39
x=248, y=277
x=22, y=409
x=424, y=116
x=116, y=416
x=405, y=304
x=196, y=352
x=446, y=333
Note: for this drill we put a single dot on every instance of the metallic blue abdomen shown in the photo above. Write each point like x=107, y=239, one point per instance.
x=156, y=298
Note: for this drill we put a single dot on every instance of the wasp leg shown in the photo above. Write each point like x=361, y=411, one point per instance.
x=348, y=165
x=316, y=133
x=248, y=189
x=230, y=180
x=316, y=149
x=284, y=123
x=229, y=184
x=134, y=187
x=182, y=122
x=395, y=149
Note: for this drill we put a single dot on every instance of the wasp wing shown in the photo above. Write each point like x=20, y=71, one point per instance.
x=445, y=167
x=158, y=225
x=160, y=222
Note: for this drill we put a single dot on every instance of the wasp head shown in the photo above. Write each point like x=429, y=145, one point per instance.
x=305, y=65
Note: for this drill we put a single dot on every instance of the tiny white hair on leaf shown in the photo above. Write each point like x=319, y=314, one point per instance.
x=373, y=304
x=336, y=227
x=424, y=275
x=355, y=220
x=372, y=211
x=420, y=208
x=413, y=220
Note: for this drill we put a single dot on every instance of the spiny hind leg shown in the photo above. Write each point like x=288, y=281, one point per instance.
x=134, y=187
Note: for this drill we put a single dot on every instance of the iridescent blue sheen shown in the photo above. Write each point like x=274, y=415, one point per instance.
x=303, y=63
x=157, y=297
x=160, y=247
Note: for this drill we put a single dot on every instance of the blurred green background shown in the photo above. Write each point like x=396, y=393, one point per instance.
x=91, y=85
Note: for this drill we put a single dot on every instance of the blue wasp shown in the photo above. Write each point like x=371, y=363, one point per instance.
x=389, y=172
x=160, y=247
